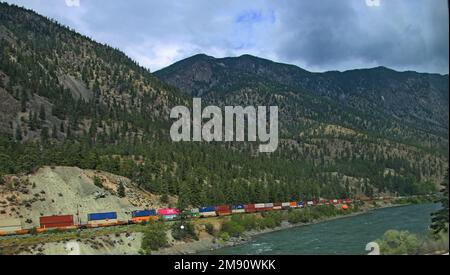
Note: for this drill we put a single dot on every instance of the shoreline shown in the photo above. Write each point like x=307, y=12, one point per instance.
x=205, y=244
x=211, y=243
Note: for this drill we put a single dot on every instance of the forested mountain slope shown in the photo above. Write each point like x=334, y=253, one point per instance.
x=421, y=99
x=67, y=100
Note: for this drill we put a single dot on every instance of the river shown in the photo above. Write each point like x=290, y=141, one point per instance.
x=345, y=236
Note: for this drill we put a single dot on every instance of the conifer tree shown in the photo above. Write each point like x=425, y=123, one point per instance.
x=54, y=132
x=42, y=114
x=440, y=218
x=121, y=190
x=19, y=133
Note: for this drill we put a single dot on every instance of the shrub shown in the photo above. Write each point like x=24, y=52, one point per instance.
x=250, y=222
x=188, y=231
x=210, y=229
x=435, y=244
x=98, y=182
x=154, y=237
x=233, y=228
x=224, y=236
x=271, y=220
x=399, y=243
x=299, y=216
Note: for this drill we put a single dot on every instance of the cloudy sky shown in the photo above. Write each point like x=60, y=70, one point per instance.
x=315, y=35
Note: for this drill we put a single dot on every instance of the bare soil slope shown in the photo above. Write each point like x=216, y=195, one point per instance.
x=70, y=190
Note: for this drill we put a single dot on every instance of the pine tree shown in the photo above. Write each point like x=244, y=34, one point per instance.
x=31, y=124
x=42, y=114
x=19, y=133
x=69, y=132
x=36, y=121
x=54, y=132
x=23, y=102
x=121, y=190
x=440, y=218
x=44, y=134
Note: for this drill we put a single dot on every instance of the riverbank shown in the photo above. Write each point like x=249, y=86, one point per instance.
x=208, y=243
x=128, y=239
x=348, y=236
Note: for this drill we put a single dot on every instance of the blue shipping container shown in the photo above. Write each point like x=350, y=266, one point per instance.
x=300, y=203
x=237, y=207
x=143, y=213
x=207, y=209
x=102, y=216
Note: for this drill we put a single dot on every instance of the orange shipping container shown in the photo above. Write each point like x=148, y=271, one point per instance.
x=144, y=219
x=223, y=213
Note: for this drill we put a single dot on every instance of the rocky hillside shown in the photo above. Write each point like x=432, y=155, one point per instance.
x=66, y=190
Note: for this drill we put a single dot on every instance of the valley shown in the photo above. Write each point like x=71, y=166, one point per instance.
x=84, y=128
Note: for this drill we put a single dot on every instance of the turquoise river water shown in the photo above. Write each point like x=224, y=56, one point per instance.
x=348, y=235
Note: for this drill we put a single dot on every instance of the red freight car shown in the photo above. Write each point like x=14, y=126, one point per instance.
x=56, y=221
x=249, y=208
x=223, y=210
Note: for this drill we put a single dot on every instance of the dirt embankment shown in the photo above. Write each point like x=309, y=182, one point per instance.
x=70, y=191
x=117, y=244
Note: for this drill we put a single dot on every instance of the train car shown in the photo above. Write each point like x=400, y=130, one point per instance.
x=209, y=211
x=193, y=213
x=169, y=213
x=293, y=204
x=102, y=219
x=53, y=222
x=238, y=209
x=277, y=206
x=320, y=202
x=268, y=206
x=169, y=217
x=260, y=207
x=249, y=208
x=223, y=210
x=300, y=204
x=310, y=203
x=263, y=207
x=143, y=216
x=10, y=226
x=335, y=201
x=286, y=205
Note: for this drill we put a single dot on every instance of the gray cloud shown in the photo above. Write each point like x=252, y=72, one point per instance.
x=316, y=35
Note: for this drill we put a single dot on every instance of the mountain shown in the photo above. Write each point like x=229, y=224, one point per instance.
x=345, y=116
x=418, y=100
x=66, y=100
x=53, y=79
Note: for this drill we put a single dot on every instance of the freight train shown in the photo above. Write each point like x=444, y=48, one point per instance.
x=67, y=222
